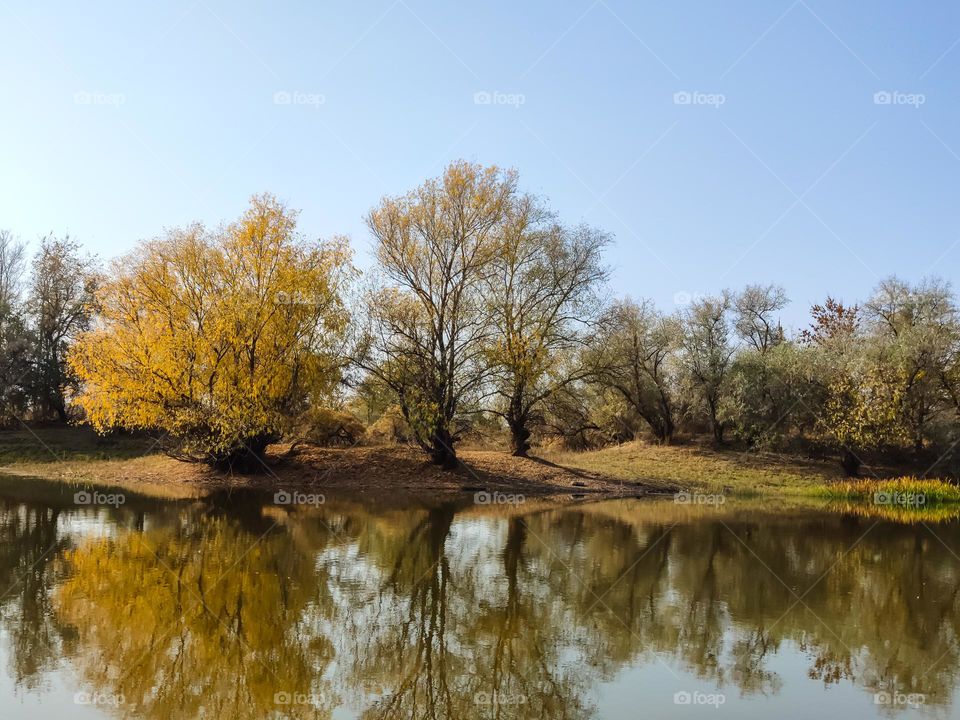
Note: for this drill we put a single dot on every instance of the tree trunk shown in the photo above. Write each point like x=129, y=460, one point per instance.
x=850, y=463
x=441, y=449
x=717, y=431
x=715, y=425
x=519, y=438
x=664, y=431
x=248, y=458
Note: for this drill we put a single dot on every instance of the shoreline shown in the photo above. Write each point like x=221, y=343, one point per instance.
x=222, y=493
x=75, y=457
x=354, y=471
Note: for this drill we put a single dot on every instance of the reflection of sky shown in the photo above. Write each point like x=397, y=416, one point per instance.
x=56, y=702
x=648, y=691
x=87, y=523
x=58, y=687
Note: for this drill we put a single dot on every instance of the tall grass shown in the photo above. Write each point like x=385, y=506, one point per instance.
x=896, y=492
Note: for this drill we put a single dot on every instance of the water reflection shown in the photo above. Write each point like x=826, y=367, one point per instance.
x=238, y=609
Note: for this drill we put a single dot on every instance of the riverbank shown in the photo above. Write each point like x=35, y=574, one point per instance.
x=702, y=468
x=77, y=455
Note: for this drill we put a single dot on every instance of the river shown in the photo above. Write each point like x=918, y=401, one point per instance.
x=245, y=606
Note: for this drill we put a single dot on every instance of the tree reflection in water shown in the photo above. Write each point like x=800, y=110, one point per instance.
x=458, y=612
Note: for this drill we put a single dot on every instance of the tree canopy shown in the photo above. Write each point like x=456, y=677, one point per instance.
x=217, y=338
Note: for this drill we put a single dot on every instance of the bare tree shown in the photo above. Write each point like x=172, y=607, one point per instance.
x=756, y=322
x=430, y=333
x=12, y=266
x=543, y=292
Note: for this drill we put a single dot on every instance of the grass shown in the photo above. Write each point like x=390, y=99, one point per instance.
x=902, y=499
x=77, y=455
x=903, y=491
x=55, y=444
x=694, y=467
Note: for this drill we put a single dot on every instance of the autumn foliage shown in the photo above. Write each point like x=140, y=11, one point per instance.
x=483, y=316
x=217, y=338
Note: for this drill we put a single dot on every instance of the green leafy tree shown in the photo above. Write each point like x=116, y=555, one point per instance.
x=60, y=305
x=16, y=340
x=636, y=356
x=708, y=351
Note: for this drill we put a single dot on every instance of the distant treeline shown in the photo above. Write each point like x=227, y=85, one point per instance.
x=484, y=314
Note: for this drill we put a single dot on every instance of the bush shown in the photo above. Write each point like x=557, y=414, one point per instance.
x=389, y=428
x=324, y=426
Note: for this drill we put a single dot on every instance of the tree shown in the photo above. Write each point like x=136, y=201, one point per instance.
x=860, y=411
x=858, y=407
x=772, y=393
x=767, y=388
x=573, y=414
x=755, y=322
x=15, y=338
x=218, y=339
x=429, y=336
x=832, y=322
x=12, y=261
x=912, y=328
x=543, y=291
x=60, y=307
x=636, y=357
x=708, y=350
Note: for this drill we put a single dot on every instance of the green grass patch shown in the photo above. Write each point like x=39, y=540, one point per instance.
x=701, y=468
x=906, y=492
x=54, y=443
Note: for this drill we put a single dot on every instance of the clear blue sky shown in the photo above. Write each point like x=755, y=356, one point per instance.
x=120, y=119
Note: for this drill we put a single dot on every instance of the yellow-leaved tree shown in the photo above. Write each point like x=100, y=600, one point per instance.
x=218, y=339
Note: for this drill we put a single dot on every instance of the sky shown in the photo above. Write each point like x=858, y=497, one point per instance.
x=807, y=143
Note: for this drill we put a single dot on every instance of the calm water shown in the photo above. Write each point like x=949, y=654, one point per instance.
x=236, y=607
